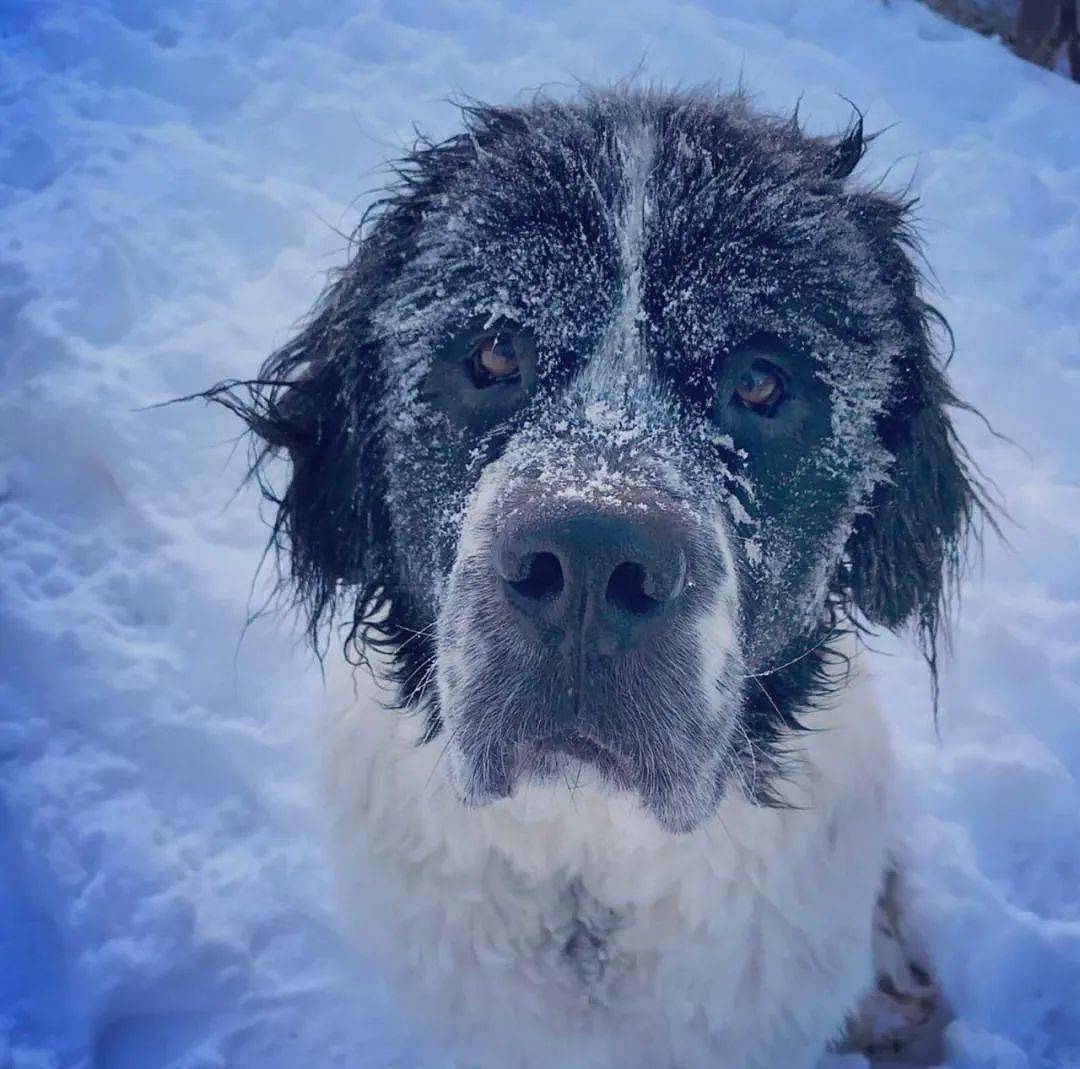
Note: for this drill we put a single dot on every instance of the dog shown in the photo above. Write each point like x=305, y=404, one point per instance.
x=623, y=420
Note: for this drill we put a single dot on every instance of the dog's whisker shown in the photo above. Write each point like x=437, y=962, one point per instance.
x=794, y=660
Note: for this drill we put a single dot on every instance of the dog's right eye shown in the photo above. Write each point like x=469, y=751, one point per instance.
x=759, y=388
x=494, y=360
x=484, y=375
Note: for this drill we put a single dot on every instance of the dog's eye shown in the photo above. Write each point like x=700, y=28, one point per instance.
x=484, y=375
x=760, y=388
x=494, y=360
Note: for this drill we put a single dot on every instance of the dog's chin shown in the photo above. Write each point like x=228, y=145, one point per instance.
x=574, y=758
x=572, y=761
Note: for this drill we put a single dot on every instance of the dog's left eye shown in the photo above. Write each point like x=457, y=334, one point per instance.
x=494, y=360
x=760, y=387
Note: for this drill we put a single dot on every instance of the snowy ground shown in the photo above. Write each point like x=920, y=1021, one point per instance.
x=171, y=175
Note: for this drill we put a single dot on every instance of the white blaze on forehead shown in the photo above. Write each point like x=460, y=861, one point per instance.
x=619, y=360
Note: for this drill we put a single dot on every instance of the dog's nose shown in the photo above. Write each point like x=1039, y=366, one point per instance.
x=610, y=580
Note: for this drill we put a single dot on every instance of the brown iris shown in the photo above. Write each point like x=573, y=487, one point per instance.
x=494, y=360
x=759, y=387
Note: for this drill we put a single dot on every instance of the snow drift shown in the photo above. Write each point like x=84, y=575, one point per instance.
x=173, y=177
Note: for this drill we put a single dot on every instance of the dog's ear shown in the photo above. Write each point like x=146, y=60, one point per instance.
x=328, y=419
x=906, y=550
x=316, y=404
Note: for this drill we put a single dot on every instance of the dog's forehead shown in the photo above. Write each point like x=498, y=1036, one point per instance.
x=731, y=218
x=633, y=233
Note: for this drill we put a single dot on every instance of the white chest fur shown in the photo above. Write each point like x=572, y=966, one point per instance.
x=564, y=927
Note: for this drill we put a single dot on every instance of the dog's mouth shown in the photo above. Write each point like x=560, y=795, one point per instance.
x=551, y=755
x=558, y=756
x=679, y=793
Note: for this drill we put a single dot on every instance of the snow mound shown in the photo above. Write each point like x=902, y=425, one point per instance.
x=171, y=178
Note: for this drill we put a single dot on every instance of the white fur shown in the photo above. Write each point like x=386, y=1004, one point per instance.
x=742, y=945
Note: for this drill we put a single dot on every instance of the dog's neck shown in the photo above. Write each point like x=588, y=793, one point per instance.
x=567, y=897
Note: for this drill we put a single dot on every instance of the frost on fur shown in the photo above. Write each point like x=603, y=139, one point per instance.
x=645, y=241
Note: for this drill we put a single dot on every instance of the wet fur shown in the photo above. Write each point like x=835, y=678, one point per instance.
x=564, y=927
x=483, y=899
x=317, y=401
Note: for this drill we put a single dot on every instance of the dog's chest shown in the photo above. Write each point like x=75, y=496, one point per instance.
x=572, y=930
x=588, y=942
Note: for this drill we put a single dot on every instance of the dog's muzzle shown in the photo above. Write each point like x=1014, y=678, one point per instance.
x=591, y=626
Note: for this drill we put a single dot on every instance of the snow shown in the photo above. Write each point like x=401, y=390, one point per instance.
x=171, y=179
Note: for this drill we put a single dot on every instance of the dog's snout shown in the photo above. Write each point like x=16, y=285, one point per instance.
x=610, y=579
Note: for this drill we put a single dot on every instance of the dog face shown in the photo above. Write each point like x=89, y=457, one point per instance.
x=621, y=405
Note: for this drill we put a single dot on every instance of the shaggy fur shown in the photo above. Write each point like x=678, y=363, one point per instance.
x=653, y=836
x=567, y=928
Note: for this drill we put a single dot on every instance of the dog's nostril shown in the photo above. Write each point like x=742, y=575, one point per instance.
x=626, y=591
x=544, y=578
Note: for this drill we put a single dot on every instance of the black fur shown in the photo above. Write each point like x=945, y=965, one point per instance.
x=319, y=399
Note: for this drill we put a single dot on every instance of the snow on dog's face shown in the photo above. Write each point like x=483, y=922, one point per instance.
x=619, y=403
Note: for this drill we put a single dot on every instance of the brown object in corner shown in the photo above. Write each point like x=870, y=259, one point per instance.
x=1041, y=31
x=1048, y=28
